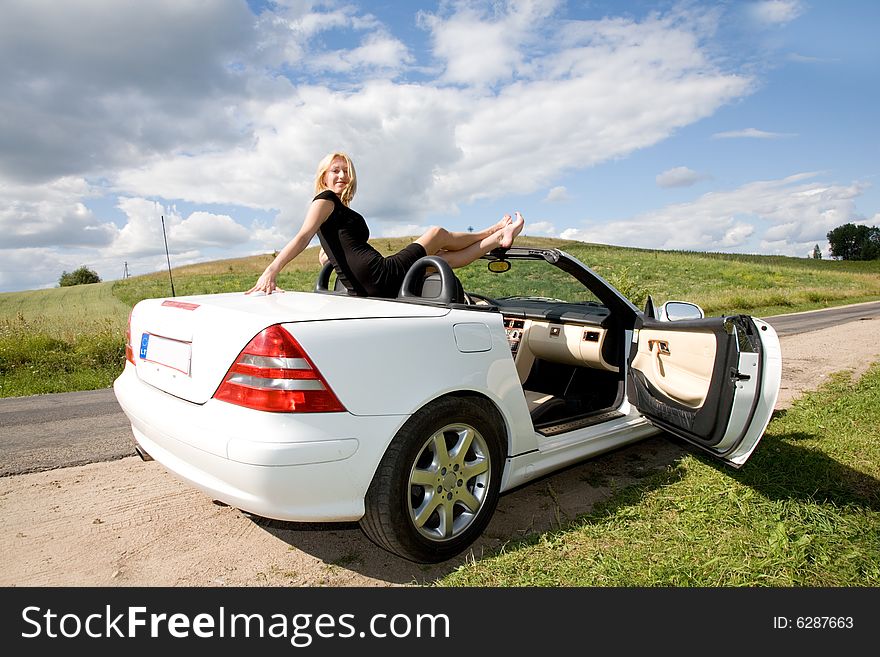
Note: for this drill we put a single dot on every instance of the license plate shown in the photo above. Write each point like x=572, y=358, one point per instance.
x=175, y=354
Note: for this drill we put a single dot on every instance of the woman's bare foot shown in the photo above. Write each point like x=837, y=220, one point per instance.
x=511, y=230
x=504, y=221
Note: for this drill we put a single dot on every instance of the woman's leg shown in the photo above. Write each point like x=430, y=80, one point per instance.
x=437, y=239
x=502, y=236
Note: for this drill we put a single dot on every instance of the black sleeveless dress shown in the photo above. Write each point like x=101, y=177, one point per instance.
x=362, y=269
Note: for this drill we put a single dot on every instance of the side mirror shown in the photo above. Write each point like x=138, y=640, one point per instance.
x=676, y=311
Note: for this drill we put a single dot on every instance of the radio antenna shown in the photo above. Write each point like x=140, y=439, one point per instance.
x=167, y=257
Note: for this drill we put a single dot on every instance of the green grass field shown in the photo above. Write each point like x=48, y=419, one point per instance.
x=66, y=311
x=71, y=338
x=803, y=511
x=61, y=340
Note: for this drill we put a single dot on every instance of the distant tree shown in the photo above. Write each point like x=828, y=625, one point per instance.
x=79, y=276
x=852, y=242
x=817, y=253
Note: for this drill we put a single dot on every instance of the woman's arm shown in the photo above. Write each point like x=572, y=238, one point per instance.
x=317, y=214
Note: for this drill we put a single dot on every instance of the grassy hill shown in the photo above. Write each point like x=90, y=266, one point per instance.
x=71, y=338
x=728, y=283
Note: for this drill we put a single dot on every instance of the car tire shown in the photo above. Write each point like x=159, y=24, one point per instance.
x=437, y=485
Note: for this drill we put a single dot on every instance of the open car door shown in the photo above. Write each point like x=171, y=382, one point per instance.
x=713, y=381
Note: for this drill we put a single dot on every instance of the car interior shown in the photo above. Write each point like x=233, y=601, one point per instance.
x=569, y=366
x=569, y=356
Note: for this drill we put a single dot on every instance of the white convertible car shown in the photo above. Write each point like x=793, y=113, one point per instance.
x=412, y=415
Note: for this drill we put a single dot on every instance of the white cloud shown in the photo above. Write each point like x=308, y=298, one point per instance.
x=379, y=53
x=557, y=194
x=783, y=216
x=50, y=215
x=679, y=177
x=751, y=133
x=402, y=230
x=91, y=85
x=201, y=229
x=142, y=235
x=286, y=30
x=736, y=235
x=577, y=112
x=775, y=12
x=543, y=228
x=31, y=269
x=486, y=45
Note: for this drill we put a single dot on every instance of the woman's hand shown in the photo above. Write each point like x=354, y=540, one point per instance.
x=318, y=212
x=266, y=283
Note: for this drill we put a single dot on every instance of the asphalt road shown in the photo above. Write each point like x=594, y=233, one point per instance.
x=60, y=430
x=819, y=319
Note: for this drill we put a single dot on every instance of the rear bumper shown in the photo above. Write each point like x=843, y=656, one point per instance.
x=298, y=467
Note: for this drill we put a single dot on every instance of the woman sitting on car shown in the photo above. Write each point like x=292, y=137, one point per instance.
x=343, y=234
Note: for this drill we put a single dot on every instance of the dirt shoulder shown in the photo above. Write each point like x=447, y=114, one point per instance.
x=129, y=523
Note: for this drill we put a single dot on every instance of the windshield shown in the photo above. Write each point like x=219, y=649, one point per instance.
x=526, y=279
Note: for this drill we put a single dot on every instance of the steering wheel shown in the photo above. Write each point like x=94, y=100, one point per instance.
x=475, y=299
x=411, y=287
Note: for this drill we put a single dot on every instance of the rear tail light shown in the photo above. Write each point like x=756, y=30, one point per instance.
x=129, y=352
x=273, y=373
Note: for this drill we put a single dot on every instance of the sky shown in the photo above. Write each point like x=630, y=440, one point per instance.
x=746, y=127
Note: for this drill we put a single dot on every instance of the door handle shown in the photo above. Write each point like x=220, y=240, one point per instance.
x=661, y=345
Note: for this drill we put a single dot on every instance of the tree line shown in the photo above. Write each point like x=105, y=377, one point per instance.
x=855, y=242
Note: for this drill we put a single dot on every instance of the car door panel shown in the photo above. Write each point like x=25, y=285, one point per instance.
x=679, y=364
x=710, y=381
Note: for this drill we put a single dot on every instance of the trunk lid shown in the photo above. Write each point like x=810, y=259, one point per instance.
x=185, y=345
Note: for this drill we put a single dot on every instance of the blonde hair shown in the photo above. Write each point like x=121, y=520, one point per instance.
x=324, y=165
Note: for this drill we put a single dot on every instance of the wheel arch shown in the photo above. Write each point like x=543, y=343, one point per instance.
x=491, y=406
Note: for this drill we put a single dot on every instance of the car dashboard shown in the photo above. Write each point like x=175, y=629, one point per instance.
x=556, y=331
